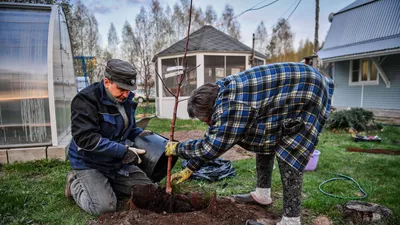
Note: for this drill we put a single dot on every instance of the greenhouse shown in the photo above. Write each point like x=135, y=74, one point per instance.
x=37, y=80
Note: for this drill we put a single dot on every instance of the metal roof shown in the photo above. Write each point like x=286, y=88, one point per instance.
x=16, y=5
x=364, y=26
x=355, y=5
x=208, y=39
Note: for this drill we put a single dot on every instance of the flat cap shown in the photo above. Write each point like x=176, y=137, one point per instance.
x=122, y=73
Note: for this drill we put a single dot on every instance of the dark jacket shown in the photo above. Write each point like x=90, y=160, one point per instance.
x=97, y=129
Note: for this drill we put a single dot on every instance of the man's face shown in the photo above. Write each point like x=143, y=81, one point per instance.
x=119, y=93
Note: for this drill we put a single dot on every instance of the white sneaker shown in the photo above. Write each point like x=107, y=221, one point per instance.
x=262, y=195
x=289, y=221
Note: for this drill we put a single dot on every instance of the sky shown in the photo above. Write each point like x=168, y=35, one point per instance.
x=302, y=20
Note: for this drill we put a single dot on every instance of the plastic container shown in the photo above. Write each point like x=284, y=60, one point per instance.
x=312, y=164
x=154, y=162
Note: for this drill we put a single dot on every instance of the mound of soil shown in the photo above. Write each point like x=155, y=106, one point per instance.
x=154, y=206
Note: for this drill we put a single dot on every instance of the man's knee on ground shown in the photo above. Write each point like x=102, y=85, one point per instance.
x=102, y=207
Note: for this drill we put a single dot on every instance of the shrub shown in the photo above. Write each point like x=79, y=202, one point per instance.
x=357, y=118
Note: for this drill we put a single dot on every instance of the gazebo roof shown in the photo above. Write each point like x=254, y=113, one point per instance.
x=208, y=39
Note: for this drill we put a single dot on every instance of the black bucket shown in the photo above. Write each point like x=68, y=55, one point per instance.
x=154, y=162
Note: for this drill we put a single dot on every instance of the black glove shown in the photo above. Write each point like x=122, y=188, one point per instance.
x=132, y=156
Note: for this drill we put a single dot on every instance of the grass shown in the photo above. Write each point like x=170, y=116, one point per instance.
x=163, y=125
x=143, y=108
x=33, y=193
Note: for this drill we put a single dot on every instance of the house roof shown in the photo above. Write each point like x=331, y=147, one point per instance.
x=208, y=39
x=363, y=27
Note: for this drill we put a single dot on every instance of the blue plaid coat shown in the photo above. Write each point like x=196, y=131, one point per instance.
x=275, y=108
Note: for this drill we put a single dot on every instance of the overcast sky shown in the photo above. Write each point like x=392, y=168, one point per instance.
x=302, y=20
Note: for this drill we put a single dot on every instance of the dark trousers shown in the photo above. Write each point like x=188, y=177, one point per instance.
x=292, y=181
x=96, y=193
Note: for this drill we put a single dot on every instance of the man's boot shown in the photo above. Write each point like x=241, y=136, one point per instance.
x=68, y=182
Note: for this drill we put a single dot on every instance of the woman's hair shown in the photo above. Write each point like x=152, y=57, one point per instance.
x=202, y=100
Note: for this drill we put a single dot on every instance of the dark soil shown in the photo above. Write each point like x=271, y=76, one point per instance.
x=374, y=151
x=153, y=206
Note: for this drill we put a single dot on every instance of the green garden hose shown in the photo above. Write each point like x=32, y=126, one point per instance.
x=343, y=177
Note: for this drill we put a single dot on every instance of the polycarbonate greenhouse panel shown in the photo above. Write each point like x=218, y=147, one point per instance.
x=24, y=103
x=63, y=75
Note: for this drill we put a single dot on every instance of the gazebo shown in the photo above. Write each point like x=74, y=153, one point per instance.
x=217, y=54
x=37, y=82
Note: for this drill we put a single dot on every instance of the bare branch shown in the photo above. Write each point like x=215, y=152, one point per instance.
x=164, y=85
x=183, y=100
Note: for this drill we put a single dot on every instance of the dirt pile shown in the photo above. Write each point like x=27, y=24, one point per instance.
x=155, y=207
x=156, y=200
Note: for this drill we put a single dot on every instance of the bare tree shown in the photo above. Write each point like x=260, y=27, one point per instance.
x=113, y=41
x=169, y=27
x=144, y=50
x=230, y=25
x=261, y=38
x=281, y=42
x=158, y=22
x=178, y=21
x=128, y=43
x=198, y=19
x=210, y=16
x=93, y=35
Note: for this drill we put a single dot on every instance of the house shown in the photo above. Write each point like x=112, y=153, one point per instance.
x=37, y=82
x=216, y=54
x=363, y=45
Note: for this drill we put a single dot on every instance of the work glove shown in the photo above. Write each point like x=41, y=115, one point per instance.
x=170, y=148
x=145, y=133
x=132, y=156
x=182, y=176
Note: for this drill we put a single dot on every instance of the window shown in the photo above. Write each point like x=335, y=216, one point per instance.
x=235, y=64
x=214, y=68
x=258, y=62
x=218, y=67
x=190, y=82
x=363, y=72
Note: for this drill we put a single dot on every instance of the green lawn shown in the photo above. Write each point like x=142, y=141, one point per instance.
x=32, y=193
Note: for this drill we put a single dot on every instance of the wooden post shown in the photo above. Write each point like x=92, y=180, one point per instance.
x=252, y=52
x=316, y=44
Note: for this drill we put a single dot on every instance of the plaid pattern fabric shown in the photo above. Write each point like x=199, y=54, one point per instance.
x=254, y=106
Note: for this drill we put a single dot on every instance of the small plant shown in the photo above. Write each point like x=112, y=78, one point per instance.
x=356, y=118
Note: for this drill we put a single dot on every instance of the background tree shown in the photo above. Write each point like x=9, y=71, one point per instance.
x=230, y=25
x=210, y=17
x=158, y=22
x=261, y=36
x=177, y=21
x=198, y=19
x=144, y=49
x=169, y=27
x=113, y=41
x=280, y=47
x=128, y=43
